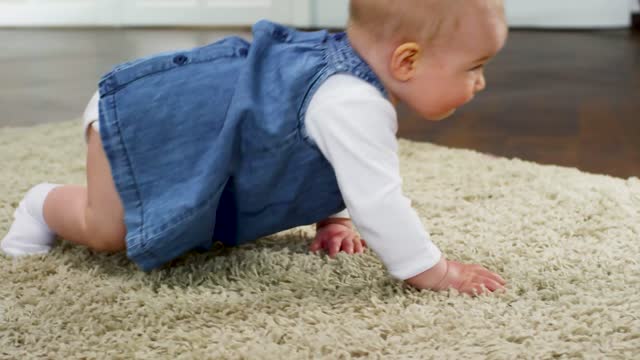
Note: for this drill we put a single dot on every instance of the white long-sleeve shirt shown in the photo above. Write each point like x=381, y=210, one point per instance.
x=355, y=128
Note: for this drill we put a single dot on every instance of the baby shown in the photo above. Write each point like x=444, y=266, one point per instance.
x=235, y=140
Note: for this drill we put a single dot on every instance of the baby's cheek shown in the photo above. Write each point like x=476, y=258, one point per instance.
x=461, y=98
x=438, y=105
x=449, y=104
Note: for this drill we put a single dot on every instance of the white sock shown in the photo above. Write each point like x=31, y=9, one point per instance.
x=29, y=233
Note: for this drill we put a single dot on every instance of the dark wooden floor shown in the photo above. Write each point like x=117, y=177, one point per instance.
x=565, y=98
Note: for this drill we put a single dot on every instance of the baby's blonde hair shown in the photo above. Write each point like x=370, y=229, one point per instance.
x=421, y=21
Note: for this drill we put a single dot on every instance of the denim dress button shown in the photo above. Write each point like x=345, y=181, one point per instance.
x=180, y=60
x=243, y=52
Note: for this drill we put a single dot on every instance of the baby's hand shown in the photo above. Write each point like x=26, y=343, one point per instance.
x=471, y=279
x=335, y=235
x=466, y=278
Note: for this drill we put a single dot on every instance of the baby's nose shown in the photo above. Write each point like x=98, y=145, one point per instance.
x=480, y=84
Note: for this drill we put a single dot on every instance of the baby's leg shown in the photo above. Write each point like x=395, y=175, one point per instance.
x=93, y=215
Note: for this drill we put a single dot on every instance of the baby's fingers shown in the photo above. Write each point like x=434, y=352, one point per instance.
x=347, y=244
x=493, y=276
x=358, y=244
x=482, y=285
x=492, y=285
x=498, y=279
x=315, y=245
x=473, y=289
x=335, y=243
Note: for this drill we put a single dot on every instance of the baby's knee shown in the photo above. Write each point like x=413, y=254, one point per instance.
x=108, y=244
x=103, y=235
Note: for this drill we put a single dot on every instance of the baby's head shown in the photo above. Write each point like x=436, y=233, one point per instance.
x=430, y=54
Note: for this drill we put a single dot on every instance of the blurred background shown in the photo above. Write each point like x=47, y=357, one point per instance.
x=565, y=90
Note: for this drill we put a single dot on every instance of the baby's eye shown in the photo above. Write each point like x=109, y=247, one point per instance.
x=477, y=67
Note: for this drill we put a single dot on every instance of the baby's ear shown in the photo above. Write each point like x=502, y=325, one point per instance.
x=404, y=61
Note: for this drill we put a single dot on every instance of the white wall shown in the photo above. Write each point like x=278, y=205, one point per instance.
x=635, y=6
x=520, y=13
x=320, y=13
x=331, y=13
x=149, y=12
x=569, y=13
x=58, y=12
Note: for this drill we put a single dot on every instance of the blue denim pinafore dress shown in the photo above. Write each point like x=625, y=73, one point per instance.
x=209, y=144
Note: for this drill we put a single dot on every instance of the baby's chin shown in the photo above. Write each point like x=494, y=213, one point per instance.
x=441, y=116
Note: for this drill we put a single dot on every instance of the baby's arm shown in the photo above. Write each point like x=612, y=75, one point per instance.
x=354, y=127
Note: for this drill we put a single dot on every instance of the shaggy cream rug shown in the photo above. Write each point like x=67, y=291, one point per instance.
x=567, y=242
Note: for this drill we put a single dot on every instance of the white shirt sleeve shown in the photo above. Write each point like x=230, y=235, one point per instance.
x=355, y=128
